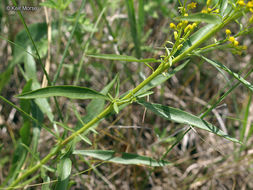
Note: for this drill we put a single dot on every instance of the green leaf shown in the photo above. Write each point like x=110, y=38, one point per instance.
x=25, y=132
x=30, y=74
x=115, y=107
x=64, y=171
x=141, y=17
x=201, y=17
x=72, y=92
x=183, y=117
x=223, y=6
x=194, y=38
x=122, y=58
x=233, y=74
x=125, y=158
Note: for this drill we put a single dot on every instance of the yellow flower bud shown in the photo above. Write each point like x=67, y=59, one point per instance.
x=250, y=4
x=194, y=25
x=175, y=35
x=179, y=46
x=236, y=43
x=241, y=3
x=231, y=39
x=186, y=14
x=172, y=25
x=209, y=10
x=208, y=2
x=187, y=28
x=204, y=11
x=185, y=22
x=179, y=25
x=228, y=32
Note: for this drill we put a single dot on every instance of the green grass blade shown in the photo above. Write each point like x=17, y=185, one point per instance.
x=183, y=117
x=64, y=171
x=201, y=17
x=141, y=17
x=233, y=74
x=125, y=158
x=127, y=58
x=246, y=117
x=72, y=92
x=101, y=7
x=133, y=26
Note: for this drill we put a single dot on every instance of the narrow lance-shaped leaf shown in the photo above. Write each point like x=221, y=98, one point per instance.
x=223, y=6
x=125, y=158
x=201, y=17
x=64, y=171
x=122, y=58
x=183, y=117
x=223, y=67
x=73, y=92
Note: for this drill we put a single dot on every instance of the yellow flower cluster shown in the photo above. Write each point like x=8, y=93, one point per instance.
x=231, y=38
x=235, y=43
x=249, y=4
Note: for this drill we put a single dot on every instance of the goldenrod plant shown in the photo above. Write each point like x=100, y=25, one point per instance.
x=61, y=141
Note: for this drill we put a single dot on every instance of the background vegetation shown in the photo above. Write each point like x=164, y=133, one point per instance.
x=68, y=35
